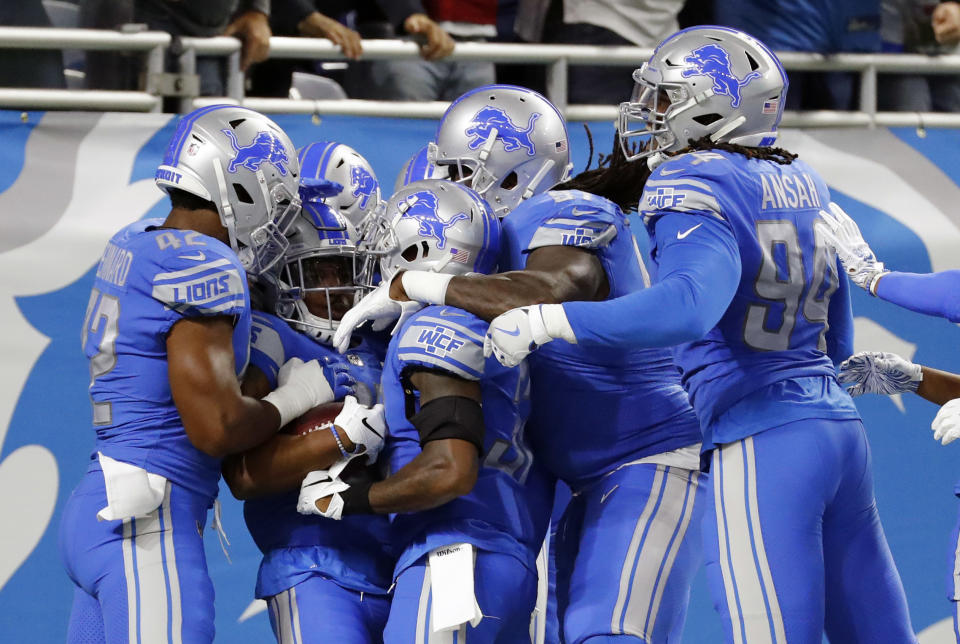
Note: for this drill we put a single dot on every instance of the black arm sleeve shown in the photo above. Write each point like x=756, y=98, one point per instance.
x=451, y=417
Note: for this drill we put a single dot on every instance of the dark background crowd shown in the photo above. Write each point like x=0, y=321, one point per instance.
x=824, y=26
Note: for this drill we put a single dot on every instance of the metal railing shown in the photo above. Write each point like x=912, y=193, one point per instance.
x=556, y=58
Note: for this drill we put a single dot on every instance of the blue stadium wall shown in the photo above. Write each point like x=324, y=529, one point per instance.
x=69, y=180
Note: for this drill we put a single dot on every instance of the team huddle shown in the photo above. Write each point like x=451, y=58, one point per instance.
x=490, y=330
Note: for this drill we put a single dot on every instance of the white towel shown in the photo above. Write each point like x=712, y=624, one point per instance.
x=131, y=491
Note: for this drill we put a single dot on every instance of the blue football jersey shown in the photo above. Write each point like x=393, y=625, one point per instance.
x=594, y=409
x=508, y=509
x=355, y=552
x=775, y=328
x=148, y=279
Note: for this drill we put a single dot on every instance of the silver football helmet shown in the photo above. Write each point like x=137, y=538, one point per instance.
x=431, y=225
x=704, y=81
x=247, y=166
x=507, y=143
x=341, y=163
x=318, y=278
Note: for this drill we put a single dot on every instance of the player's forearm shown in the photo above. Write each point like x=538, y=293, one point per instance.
x=939, y=387
x=279, y=464
x=490, y=295
x=930, y=293
x=428, y=481
x=234, y=426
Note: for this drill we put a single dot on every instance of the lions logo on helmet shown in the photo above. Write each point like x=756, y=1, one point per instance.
x=508, y=133
x=422, y=206
x=265, y=148
x=713, y=62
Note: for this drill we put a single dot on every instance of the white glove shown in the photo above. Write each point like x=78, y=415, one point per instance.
x=514, y=334
x=873, y=372
x=366, y=427
x=301, y=386
x=317, y=485
x=862, y=266
x=378, y=307
x=946, y=426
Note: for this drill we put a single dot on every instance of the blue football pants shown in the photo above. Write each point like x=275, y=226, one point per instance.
x=793, y=540
x=137, y=580
x=506, y=592
x=319, y=611
x=628, y=548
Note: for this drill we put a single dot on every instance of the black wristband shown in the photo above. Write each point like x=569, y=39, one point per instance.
x=356, y=498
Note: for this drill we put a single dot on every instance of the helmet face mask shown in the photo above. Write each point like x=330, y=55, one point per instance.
x=247, y=166
x=703, y=81
x=493, y=132
x=317, y=281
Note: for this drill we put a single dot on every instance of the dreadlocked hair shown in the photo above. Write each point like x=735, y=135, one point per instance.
x=777, y=155
x=614, y=178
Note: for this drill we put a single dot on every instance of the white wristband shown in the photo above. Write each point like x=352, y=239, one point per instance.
x=556, y=323
x=287, y=403
x=425, y=286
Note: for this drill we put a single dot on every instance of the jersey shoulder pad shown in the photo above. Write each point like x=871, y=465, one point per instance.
x=689, y=183
x=193, y=274
x=566, y=218
x=444, y=338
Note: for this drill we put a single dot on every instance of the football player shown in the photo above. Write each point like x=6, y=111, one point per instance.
x=167, y=332
x=614, y=424
x=323, y=581
x=750, y=289
x=472, y=505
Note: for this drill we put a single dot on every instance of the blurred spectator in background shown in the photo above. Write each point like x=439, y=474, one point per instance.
x=436, y=25
x=310, y=19
x=246, y=20
x=25, y=68
x=110, y=69
x=922, y=27
x=643, y=23
x=824, y=26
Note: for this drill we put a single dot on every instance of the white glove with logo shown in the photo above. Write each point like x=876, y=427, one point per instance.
x=301, y=386
x=365, y=426
x=946, y=425
x=378, y=307
x=873, y=372
x=514, y=334
x=317, y=485
x=862, y=266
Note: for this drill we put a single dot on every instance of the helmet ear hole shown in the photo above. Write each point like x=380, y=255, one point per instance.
x=510, y=181
x=410, y=253
x=242, y=195
x=707, y=119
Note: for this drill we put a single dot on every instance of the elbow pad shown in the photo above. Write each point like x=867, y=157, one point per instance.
x=451, y=417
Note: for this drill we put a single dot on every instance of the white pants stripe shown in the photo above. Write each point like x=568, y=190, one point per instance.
x=744, y=567
x=286, y=615
x=651, y=566
x=538, y=620
x=674, y=547
x=634, y=548
x=150, y=570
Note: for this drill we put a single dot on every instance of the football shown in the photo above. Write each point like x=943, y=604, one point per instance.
x=320, y=417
